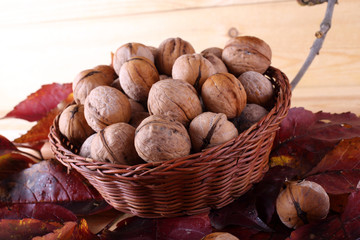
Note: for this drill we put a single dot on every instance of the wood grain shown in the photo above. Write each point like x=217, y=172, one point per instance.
x=51, y=41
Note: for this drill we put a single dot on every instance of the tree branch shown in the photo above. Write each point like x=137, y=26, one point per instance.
x=320, y=37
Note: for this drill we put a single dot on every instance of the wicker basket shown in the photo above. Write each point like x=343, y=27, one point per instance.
x=189, y=185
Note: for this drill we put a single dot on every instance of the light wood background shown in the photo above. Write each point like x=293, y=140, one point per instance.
x=51, y=41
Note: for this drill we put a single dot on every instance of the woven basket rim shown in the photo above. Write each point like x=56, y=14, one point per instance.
x=279, y=109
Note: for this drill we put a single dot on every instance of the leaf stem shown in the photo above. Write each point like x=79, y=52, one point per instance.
x=320, y=37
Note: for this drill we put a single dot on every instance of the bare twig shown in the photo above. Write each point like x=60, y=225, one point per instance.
x=320, y=37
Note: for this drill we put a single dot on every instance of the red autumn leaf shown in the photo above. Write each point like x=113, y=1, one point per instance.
x=334, y=227
x=38, y=104
x=40, y=131
x=6, y=146
x=14, y=162
x=337, y=182
x=49, y=182
x=40, y=211
x=70, y=231
x=345, y=156
x=305, y=138
x=241, y=212
x=177, y=228
x=26, y=228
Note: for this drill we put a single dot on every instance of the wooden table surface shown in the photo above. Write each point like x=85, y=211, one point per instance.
x=51, y=41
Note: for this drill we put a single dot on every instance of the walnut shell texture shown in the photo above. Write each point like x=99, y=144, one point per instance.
x=160, y=138
x=211, y=129
x=85, y=149
x=115, y=144
x=86, y=81
x=129, y=50
x=251, y=114
x=218, y=64
x=223, y=93
x=246, y=53
x=137, y=75
x=259, y=89
x=301, y=203
x=193, y=68
x=106, y=105
x=73, y=125
x=213, y=50
x=168, y=51
x=175, y=98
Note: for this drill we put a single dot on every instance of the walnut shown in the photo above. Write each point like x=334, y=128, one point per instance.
x=220, y=236
x=210, y=129
x=175, y=98
x=137, y=75
x=73, y=125
x=168, y=51
x=302, y=202
x=108, y=71
x=116, y=84
x=106, y=105
x=163, y=76
x=246, y=53
x=223, y=93
x=85, y=149
x=85, y=82
x=154, y=50
x=218, y=64
x=115, y=144
x=136, y=106
x=258, y=88
x=129, y=50
x=251, y=114
x=160, y=138
x=137, y=118
x=213, y=50
x=193, y=68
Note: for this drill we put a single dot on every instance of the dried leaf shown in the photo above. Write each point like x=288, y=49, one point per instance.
x=26, y=228
x=48, y=181
x=6, y=146
x=70, y=231
x=11, y=163
x=337, y=182
x=345, y=156
x=177, y=228
x=40, y=211
x=305, y=138
x=40, y=131
x=38, y=104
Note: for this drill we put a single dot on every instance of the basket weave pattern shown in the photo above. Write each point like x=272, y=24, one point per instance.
x=190, y=185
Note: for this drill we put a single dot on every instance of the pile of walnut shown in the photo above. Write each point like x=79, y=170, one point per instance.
x=155, y=104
